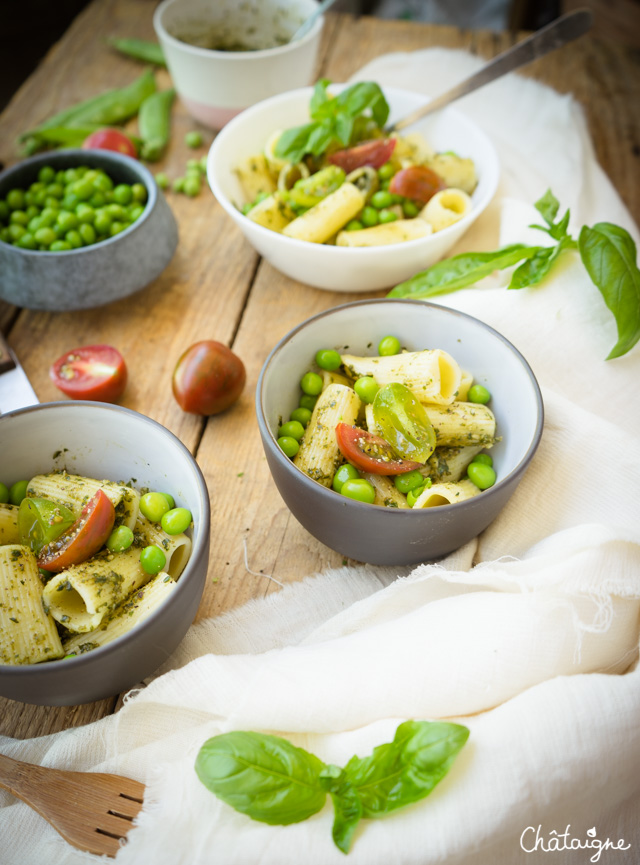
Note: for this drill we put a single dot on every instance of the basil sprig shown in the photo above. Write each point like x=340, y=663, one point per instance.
x=607, y=252
x=270, y=780
x=334, y=119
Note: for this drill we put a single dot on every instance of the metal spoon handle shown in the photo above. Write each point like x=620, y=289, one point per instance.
x=311, y=20
x=553, y=36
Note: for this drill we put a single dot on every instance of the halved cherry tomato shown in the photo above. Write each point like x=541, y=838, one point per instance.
x=83, y=539
x=110, y=139
x=374, y=153
x=416, y=182
x=370, y=452
x=208, y=378
x=95, y=372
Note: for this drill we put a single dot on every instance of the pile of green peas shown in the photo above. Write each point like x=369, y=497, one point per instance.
x=69, y=209
x=379, y=209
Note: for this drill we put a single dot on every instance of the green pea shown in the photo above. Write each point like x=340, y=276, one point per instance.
x=478, y=393
x=192, y=186
x=414, y=495
x=87, y=234
x=481, y=475
x=83, y=189
x=176, y=521
x=32, y=211
x=410, y=208
x=346, y=472
x=139, y=192
x=135, y=212
x=354, y=225
x=50, y=201
x=34, y=224
x=60, y=246
x=178, y=184
x=66, y=220
x=49, y=216
x=409, y=481
x=16, y=231
x=5, y=236
x=27, y=241
x=153, y=506
x=98, y=199
x=37, y=187
x=386, y=171
x=359, y=489
x=292, y=428
x=45, y=236
x=116, y=211
x=388, y=346
x=194, y=165
x=152, y=559
x=4, y=493
x=311, y=383
x=170, y=499
x=85, y=213
x=15, y=199
x=18, y=491
x=116, y=227
x=120, y=539
x=70, y=201
x=122, y=193
x=18, y=217
x=162, y=180
x=366, y=388
x=74, y=239
x=387, y=216
x=308, y=401
x=4, y=211
x=102, y=222
x=302, y=415
x=381, y=199
x=485, y=459
x=46, y=174
x=328, y=358
x=193, y=139
x=103, y=182
x=55, y=190
x=288, y=445
x=369, y=216
x=396, y=199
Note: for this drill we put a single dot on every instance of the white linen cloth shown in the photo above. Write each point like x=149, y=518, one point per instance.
x=529, y=635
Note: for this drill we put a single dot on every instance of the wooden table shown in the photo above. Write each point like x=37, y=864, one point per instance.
x=217, y=287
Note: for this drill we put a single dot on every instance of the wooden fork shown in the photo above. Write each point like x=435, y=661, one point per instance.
x=90, y=810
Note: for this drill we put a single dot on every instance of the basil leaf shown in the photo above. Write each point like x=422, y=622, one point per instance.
x=548, y=207
x=344, y=128
x=461, y=271
x=319, y=99
x=407, y=769
x=346, y=803
x=265, y=777
x=609, y=255
x=320, y=138
x=559, y=229
x=355, y=100
x=292, y=144
x=533, y=271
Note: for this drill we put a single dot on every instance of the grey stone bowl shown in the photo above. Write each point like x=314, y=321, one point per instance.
x=108, y=441
x=93, y=275
x=392, y=536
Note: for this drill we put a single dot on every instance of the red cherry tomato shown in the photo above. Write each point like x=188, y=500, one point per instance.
x=95, y=372
x=416, y=182
x=374, y=153
x=370, y=452
x=110, y=139
x=208, y=378
x=83, y=539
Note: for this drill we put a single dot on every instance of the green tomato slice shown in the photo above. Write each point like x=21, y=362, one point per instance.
x=41, y=521
x=402, y=420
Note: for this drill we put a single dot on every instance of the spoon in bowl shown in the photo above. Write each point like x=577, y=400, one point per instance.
x=304, y=28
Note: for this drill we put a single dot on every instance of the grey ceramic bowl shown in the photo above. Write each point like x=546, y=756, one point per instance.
x=108, y=441
x=392, y=536
x=93, y=275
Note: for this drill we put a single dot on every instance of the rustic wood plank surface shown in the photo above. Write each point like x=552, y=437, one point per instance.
x=217, y=287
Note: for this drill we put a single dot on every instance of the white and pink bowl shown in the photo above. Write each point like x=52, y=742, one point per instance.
x=216, y=85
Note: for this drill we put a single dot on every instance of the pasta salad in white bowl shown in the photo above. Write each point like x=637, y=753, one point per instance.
x=329, y=198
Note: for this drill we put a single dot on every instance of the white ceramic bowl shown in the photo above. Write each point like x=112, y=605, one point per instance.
x=340, y=268
x=108, y=441
x=394, y=536
x=215, y=85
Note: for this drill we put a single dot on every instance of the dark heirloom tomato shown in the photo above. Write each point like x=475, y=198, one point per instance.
x=374, y=153
x=110, y=139
x=95, y=372
x=417, y=182
x=208, y=378
x=85, y=537
x=370, y=452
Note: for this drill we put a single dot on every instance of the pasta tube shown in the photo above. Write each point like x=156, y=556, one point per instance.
x=255, y=177
x=432, y=374
x=327, y=217
x=462, y=423
x=465, y=383
x=177, y=548
x=9, y=524
x=386, y=493
x=137, y=607
x=80, y=597
x=272, y=212
x=456, y=171
x=412, y=149
x=446, y=494
x=28, y=634
x=447, y=464
x=332, y=377
x=445, y=208
x=74, y=491
x=381, y=235
x=319, y=455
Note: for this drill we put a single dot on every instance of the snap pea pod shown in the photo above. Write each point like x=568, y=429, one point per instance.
x=140, y=49
x=154, y=122
x=106, y=109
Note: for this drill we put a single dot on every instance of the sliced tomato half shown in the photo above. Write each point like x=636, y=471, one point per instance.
x=85, y=537
x=95, y=372
x=374, y=153
x=417, y=182
x=371, y=453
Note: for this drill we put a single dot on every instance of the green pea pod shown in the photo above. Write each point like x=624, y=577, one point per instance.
x=107, y=109
x=402, y=421
x=41, y=521
x=140, y=49
x=154, y=122
x=311, y=190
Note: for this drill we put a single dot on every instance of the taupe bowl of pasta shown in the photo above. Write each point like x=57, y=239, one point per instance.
x=347, y=229
x=104, y=546
x=397, y=430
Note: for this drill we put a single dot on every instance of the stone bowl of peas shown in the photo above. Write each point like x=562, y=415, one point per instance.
x=80, y=229
x=384, y=502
